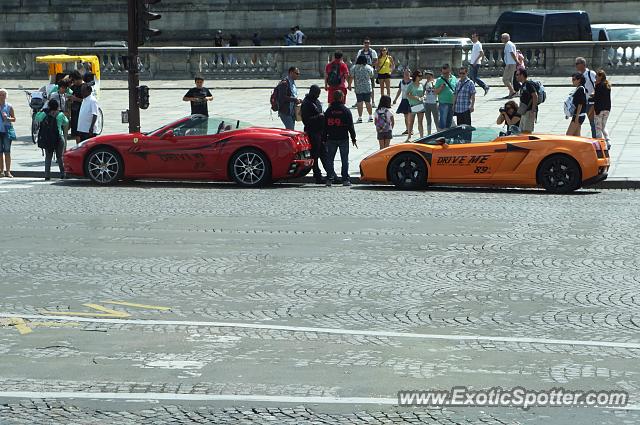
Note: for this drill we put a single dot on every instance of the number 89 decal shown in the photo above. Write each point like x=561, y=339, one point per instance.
x=481, y=169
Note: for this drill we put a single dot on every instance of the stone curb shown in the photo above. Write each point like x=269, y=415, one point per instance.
x=627, y=184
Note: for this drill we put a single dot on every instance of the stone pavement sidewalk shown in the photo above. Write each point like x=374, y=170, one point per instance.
x=248, y=100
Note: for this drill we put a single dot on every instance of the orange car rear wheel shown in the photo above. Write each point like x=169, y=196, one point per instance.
x=559, y=174
x=408, y=171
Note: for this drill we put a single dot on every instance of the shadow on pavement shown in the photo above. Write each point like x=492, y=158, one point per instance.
x=153, y=184
x=531, y=191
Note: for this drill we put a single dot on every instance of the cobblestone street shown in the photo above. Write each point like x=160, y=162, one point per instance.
x=167, y=302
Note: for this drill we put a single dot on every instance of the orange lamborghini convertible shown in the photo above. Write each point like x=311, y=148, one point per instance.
x=486, y=157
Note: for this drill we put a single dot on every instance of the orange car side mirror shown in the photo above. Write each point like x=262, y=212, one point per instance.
x=442, y=142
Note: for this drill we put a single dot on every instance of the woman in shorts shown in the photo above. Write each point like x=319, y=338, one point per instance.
x=404, y=107
x=385, y=67
x=579, y=103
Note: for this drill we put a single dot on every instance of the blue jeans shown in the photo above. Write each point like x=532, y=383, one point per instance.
x=446, y=115
x=332, y=149
x=592, y=121
x=473, y=74
x=288, y=120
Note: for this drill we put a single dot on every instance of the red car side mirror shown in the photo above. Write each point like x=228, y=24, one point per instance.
x=168, y=135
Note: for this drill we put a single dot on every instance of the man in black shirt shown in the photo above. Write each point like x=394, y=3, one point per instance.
x=338, y=125
x=199, y=96
x=313, y=120
x=528, y=109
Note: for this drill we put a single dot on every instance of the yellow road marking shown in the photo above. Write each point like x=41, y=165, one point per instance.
x=107, y=312
x=19, y=323
x=150, y=307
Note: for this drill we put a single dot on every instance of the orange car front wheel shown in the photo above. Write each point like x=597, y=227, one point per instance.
x=408, y=171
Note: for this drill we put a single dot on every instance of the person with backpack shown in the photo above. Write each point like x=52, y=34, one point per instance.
x=602, y=104
x=7, y=134
x=284, y=99
x=51, y=136
x=372, y=59
x=338, y=126
x=576, y=105
x=590, y=87
x=313, y=120
x=384, y=122
x=529, y=100
x=445, y=87
x=336, y=74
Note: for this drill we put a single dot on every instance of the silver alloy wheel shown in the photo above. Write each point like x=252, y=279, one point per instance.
x=249, y=168
x=103, y=167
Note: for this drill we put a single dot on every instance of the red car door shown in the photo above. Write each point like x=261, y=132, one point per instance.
x=185, y=151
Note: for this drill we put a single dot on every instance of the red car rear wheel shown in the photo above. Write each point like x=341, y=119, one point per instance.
x=250, y=168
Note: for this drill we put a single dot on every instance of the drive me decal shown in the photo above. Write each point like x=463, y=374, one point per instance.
x=463, y=159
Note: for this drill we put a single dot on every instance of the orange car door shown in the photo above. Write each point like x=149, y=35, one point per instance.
x=465, y=162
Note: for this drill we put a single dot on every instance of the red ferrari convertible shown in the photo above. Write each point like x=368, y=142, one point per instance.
x=194, y=148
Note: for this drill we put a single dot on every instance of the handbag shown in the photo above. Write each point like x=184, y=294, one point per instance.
x=298, y=112
x=417, y=108
x=11, y=132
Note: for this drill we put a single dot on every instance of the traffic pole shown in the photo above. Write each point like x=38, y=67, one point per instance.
x=132, y=64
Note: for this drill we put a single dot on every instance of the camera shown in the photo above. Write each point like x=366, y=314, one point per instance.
x=502, y=110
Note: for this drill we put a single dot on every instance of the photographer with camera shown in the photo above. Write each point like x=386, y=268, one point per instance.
x=509, y=115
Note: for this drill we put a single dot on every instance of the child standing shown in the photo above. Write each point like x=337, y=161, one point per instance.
x=430, y=101
x=404, y=107
x=602, y=104
x=384, y=122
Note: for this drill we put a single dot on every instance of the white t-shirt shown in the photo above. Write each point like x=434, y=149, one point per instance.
x=475, y=52
x=88, y=109
x=589, y=81
x=509, y=48
x=371, y=55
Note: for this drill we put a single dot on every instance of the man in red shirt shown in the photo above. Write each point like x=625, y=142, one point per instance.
x=335, y=77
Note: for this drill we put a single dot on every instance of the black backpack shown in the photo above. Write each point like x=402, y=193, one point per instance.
x=275, y=95
x=48, y=135
x=334, y=78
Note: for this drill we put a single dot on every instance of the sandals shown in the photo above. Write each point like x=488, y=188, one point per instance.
x=8, y=174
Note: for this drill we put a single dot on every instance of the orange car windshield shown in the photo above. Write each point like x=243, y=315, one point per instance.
x=462, y=134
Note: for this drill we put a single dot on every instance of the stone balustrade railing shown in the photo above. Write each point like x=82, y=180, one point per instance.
x=272, y=62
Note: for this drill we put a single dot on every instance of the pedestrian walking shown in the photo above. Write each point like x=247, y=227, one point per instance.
x=298, y=36
x=590, y=86
x=445, y=87
x=510, y=62
x=385, y=67
x=7, y=134
x=576, y=105
x=290, y=38
x=602, y=105
x=520, y=65
x=509, y=116
x=313, y=120
x=287, y=98
x=404, y=107
x=75, y=100
x=384, y=122
x=199, y=97
x=360, y=77
x=477, y=54
x=51, y=136
x=430, y=101
x=88, y=114
x=218, y=41
x=336, y=74
x=60, y=93
x=529, y=101
x=372, y=60
x=338, y=126
x=464, y=98
x=415, y=94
